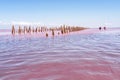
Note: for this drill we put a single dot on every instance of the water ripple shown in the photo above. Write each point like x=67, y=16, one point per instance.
x=94, y=56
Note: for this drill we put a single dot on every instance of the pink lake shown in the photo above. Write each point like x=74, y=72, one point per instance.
x=84, y=55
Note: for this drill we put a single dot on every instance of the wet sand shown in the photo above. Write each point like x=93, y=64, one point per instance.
x=84, y=55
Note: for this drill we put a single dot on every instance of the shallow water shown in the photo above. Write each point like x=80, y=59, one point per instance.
x=86, y=55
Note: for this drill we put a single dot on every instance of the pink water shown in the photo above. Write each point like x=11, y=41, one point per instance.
x=86, y=55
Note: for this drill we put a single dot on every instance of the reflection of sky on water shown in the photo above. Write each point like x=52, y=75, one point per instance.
x=5, y=33
x=111, y=31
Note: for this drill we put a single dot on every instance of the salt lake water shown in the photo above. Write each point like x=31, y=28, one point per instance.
x=85, y=55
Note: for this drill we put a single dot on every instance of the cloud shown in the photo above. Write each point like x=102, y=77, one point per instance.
x=4, y=23
x=25, y=23
x=20, y=23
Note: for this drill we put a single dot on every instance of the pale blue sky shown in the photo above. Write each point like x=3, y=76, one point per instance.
x=88, y=13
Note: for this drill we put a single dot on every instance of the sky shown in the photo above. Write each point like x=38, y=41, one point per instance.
x=85, y=13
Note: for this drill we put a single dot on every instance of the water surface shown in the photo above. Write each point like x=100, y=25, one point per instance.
x=86, y=55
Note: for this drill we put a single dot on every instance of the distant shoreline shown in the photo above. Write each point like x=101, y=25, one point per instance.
x=4, y=32
x=56, y=30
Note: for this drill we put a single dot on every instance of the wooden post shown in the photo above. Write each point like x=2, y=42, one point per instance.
x=13, y=30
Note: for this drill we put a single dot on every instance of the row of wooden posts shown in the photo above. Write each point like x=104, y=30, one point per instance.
x=28, y=29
